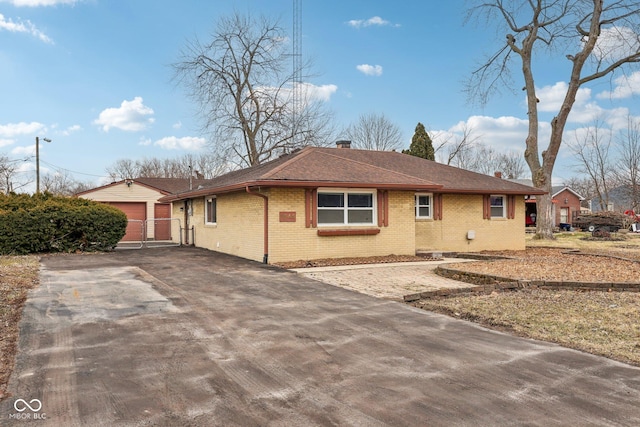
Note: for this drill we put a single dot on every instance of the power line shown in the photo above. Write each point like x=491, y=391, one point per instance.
x=59, y=168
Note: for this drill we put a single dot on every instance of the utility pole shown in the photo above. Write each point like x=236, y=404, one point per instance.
x=38, y=162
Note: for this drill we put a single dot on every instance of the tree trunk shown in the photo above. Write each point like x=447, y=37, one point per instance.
x=545, y=222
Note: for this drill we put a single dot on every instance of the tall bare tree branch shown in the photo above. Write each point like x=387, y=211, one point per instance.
x=559, y=26
x=243, y=84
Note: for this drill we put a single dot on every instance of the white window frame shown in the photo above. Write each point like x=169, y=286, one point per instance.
x=418, y=205
x=345, y=209
x=207, y=200
x=503, y=206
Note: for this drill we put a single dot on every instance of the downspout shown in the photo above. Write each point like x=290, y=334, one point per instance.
x=265, y=258
x=186, y=222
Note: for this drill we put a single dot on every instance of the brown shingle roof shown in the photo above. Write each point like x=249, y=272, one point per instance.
x=163, y=185
x=333, y=167
x=170, y=185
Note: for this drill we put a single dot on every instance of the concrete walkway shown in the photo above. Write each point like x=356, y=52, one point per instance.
x=390, y=281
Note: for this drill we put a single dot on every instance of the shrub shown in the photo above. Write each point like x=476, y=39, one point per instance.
x=46, y=223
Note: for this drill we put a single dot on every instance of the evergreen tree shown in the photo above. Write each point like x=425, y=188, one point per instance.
x=421, y=145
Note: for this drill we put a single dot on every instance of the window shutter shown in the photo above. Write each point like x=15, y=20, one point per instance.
x=437, y=206
x=511, y=207
x=486, y=206
x=380, y=209
x=308, y=212
x=383, y=208
x=314, y=208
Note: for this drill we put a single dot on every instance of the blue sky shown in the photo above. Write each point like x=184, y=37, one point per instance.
x=95, y=76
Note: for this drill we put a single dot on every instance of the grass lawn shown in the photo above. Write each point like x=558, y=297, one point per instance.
x=17, y=276
x=580, y=240
x=603, y=323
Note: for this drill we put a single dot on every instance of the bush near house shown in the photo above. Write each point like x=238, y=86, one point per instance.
x=46, y=223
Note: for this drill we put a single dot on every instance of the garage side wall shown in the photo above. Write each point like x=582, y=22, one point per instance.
x=462, y=213
x=239, y=227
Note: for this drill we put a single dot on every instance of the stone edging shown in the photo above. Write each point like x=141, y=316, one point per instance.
x=491, y=283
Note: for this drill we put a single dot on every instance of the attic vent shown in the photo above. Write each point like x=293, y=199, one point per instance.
x=343, y=144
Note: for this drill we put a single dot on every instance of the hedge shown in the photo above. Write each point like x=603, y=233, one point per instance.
x=46, y=223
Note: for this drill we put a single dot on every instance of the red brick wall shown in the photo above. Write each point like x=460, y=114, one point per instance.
x=566, y=199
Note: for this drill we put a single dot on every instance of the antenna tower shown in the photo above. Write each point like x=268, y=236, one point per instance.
x=297, y=65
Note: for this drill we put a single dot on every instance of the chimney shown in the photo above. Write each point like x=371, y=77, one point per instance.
x=497, y=174
x=343, y=144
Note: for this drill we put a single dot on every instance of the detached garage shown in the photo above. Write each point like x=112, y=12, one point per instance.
x=138, y=199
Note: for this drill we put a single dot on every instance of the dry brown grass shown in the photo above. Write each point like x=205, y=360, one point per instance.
x=583, y=241
x=17, y=276
x=603, y=323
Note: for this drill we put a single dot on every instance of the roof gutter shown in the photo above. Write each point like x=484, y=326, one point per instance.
x=265, y=257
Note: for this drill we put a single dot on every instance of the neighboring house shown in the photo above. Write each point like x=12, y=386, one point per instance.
x=337, y=202
x=138, y=199
x=565, y=204
x=621, y=199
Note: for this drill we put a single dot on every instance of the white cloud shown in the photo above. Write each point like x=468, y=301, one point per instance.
x=71, y=129
x=5, y=142
x=375, y=20
x=308, y=93
x=321, y=93
x=626, y=87
x=145, y=141
x=584, y=109
x=177, y=125
x=14, y=129
x=23, y=27
x=185, y=143
x=29, y=150
x=615, y=43
x=551, y=97
x=370, y=70
x=36, y=3
x=130, y=116
x=506, y=133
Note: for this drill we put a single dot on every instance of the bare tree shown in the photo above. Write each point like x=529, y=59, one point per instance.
x=123, y=169
x=206, y=165
x=62, y=184
x=9, y=175
x=374, y=131
x=243, y=84
x=454, y=149
x=627, y=170
x=582, y=186
x=479, y=158
x=591, y=148
x=486, y=160
x=604, y=38
x=512, y=165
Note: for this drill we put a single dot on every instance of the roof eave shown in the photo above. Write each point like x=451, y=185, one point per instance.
x=298, y=184
x=493, y=191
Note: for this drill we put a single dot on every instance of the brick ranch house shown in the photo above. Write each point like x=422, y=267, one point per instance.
x=340, y=202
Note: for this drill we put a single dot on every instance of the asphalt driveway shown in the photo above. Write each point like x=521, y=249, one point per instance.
x=184, y=336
